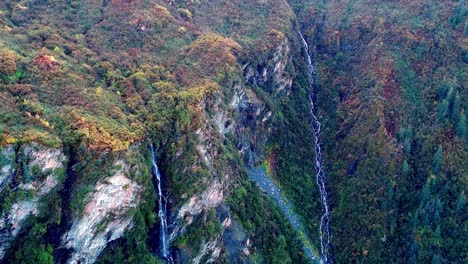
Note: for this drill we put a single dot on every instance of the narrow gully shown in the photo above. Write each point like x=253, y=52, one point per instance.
x=325, y=245
x=162, y=213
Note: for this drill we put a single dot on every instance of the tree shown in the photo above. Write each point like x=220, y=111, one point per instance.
x=460, y=204
x=437, y=160
x=31, y=252
x=443, y=110
x=461, y=126
x=281, y=253
x=436, y=259
x=408, y=138
x=413, y=254
x=406, y=168
x=454, y=111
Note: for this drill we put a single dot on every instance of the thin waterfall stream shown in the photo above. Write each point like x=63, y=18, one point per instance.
x=163, y=236
x=325, y=246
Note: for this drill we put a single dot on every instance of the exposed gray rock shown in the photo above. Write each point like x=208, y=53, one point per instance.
x=236, y=244
x=238, y=99
x=211, y=198
x=282, y=79
x=48, y=160
x=211, y=248
x=247, y=117
x=105, y=217
x=273, y=70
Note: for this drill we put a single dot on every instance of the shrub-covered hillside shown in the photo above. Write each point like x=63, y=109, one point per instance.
x=208, y=83
x=218, y=88
x=392, y=98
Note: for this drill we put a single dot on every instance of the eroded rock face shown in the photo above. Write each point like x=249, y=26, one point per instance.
x=246, y=117
x=272, y=74
x=236, y=244
x=254, y=122
x=105, y=217
x=40, y=166
x=211, y=250
x=212, y=197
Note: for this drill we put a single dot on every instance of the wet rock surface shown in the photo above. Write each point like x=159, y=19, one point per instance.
x=210, y=250
x=210, y=198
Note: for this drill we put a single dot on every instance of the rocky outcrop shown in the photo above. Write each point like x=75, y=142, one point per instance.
x=35, y=171
x=246, y=117
x=210, y=198
x=210, y=250
x=254, y=121
x=236, y=243
x=271, y=75
x=251, y=127
x=39, y=176
x=105, y=218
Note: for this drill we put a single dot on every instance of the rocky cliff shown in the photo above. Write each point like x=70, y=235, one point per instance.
x=217, y=88
x=29, y=174
x=204, y=100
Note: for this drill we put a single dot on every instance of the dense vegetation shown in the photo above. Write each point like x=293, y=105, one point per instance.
x=391, y=98
x=252, y=210
x=97, y=77
x=100, y=79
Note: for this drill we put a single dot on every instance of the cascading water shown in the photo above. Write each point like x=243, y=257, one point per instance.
x=163, y=237
x=325, y=246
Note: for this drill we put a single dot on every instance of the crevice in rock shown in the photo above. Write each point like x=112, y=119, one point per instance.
x=56, y=231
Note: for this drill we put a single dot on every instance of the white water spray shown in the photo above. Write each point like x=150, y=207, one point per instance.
x=165, y=250
x=325, y=248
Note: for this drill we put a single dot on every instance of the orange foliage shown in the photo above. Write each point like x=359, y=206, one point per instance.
x=274, y=39
x=215, y=49
x=212, y=56
x=47, y=63
x=154, y=17
x=98, y=138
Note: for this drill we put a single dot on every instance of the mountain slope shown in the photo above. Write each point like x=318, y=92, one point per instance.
x=220, y=87
x=392, y=105
x=99, y=80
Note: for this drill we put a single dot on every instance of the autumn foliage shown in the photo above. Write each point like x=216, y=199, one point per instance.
x=7, y=62
x=46, y=62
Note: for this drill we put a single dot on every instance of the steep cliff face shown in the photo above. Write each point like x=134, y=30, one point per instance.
x=8, y=160
x=245, y=118
x=389, y=77
x=268, y=77
x=29, y=174
x=206, y=86
x=239, y=122
x=93, y=215
x=219, y=87
x=106, y=215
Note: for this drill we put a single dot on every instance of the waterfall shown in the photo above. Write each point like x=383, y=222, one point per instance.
x=163, y=237
x=325, y=246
